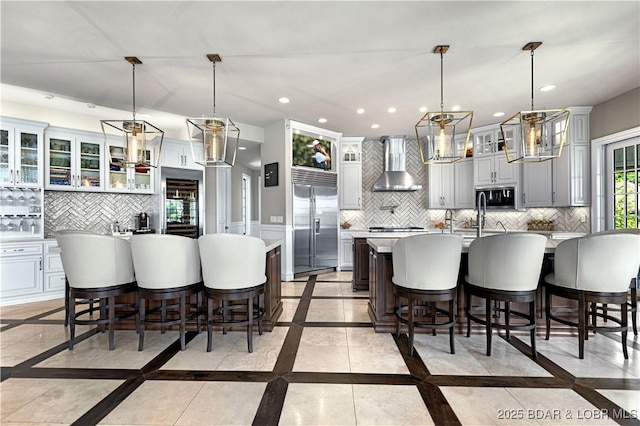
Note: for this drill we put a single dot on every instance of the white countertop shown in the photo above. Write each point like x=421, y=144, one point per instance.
x=269, y=243
x=385, y=245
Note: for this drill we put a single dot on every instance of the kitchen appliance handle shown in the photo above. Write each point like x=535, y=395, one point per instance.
x=317, y=226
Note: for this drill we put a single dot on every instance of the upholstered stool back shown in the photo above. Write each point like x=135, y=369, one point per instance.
x=231, y=261
x=165, y=261
x=94, y=260
x=427, y=262
x=597, y=262
x=506, y=261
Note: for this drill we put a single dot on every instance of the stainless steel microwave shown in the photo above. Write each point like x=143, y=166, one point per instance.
x=499, y=198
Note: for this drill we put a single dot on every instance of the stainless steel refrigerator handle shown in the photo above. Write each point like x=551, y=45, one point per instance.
x=317, y=225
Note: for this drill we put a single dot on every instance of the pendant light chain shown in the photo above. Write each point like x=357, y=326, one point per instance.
x=441, y=82
x=134, y=93
x=214, y=88
x=532, y=80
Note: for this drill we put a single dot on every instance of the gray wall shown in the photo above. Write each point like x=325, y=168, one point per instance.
x=236, y=192
x=275, y=150
x=616, y=114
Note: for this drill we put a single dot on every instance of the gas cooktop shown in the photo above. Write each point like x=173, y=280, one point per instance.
x=396, y=229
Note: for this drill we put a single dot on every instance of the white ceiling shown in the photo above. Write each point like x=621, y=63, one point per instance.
x=329, y=58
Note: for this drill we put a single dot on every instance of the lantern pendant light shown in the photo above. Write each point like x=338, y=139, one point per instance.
x=217, y=136
x=138, y=134
x=535, y=135
x=443, y=136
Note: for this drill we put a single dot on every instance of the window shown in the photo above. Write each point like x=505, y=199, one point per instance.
x=623, y=178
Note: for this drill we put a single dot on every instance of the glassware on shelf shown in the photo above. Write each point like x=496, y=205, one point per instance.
x=11, y=227
x=9, y=200
x=3, y=227
x=22, y=201
x=33, y=201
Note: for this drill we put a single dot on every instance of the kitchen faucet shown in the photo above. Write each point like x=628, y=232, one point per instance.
x=501, y=224
x=482, y=212
x=448, y=218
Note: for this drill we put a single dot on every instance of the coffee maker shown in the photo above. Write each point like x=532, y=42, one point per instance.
x=143, y=222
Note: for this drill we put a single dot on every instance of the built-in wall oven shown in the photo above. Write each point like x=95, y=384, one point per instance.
x=499, y=198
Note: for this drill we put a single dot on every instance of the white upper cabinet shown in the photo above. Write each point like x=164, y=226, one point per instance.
x=440, y=186
x=350, y=173
x=74, y=160
x=129, y=179
x=21, y=152
x=564, y=181
x=490, y=160
x=178, y=154
x=463, y=182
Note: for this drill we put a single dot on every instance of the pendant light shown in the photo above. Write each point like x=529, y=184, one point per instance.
x=217, y=136
x=443, y=136
x=535, y=135
x=138, y=134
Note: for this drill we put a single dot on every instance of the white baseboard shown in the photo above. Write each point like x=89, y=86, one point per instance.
x=32, y=298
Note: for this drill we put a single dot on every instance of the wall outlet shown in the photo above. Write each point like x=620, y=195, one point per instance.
x=273, y=219
x=583, y=218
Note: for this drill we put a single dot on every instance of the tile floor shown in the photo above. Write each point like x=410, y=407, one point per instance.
x=322, y=364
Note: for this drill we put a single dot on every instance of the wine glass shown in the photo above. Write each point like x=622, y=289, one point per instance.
x=22, y=201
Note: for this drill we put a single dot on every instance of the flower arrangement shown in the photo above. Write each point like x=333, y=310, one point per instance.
x=540, y=225
x=345, y=225
x=440, y=225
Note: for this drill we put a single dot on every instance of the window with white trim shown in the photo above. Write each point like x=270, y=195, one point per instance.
x=623, y=180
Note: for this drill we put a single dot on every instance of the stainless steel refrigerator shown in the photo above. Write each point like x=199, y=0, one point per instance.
x=315, y=227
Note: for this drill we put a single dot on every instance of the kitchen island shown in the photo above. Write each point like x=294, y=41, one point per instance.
x=380, y=273
x=272, y=293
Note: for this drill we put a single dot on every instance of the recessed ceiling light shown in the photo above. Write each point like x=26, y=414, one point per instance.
x=498, y=114
x=455, y=108
x=375, y=126
x=322, y=120
x=91, y=105
x=391, y=110
x=547, y=88
x=360, y=110
x=242, y=148
x=283, y=100
x=423, y=109
x=48, y=96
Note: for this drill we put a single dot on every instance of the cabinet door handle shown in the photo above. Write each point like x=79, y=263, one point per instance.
x=17, y=175
x=11, y=175
x=40, y=264
x=553, y=196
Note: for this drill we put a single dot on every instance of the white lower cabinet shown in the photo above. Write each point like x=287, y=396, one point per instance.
x=20, y=271
x=346, y=251
x=53, y=272
x=29, y=272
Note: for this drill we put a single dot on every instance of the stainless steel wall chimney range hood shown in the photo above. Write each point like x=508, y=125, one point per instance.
x=395, y=176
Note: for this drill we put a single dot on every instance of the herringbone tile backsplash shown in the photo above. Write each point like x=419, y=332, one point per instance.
x=94, y=211
x=411, y=206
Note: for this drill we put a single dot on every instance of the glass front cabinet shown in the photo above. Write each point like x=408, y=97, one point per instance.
x=21, y=153
x=74, y=160
x=137, y=179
